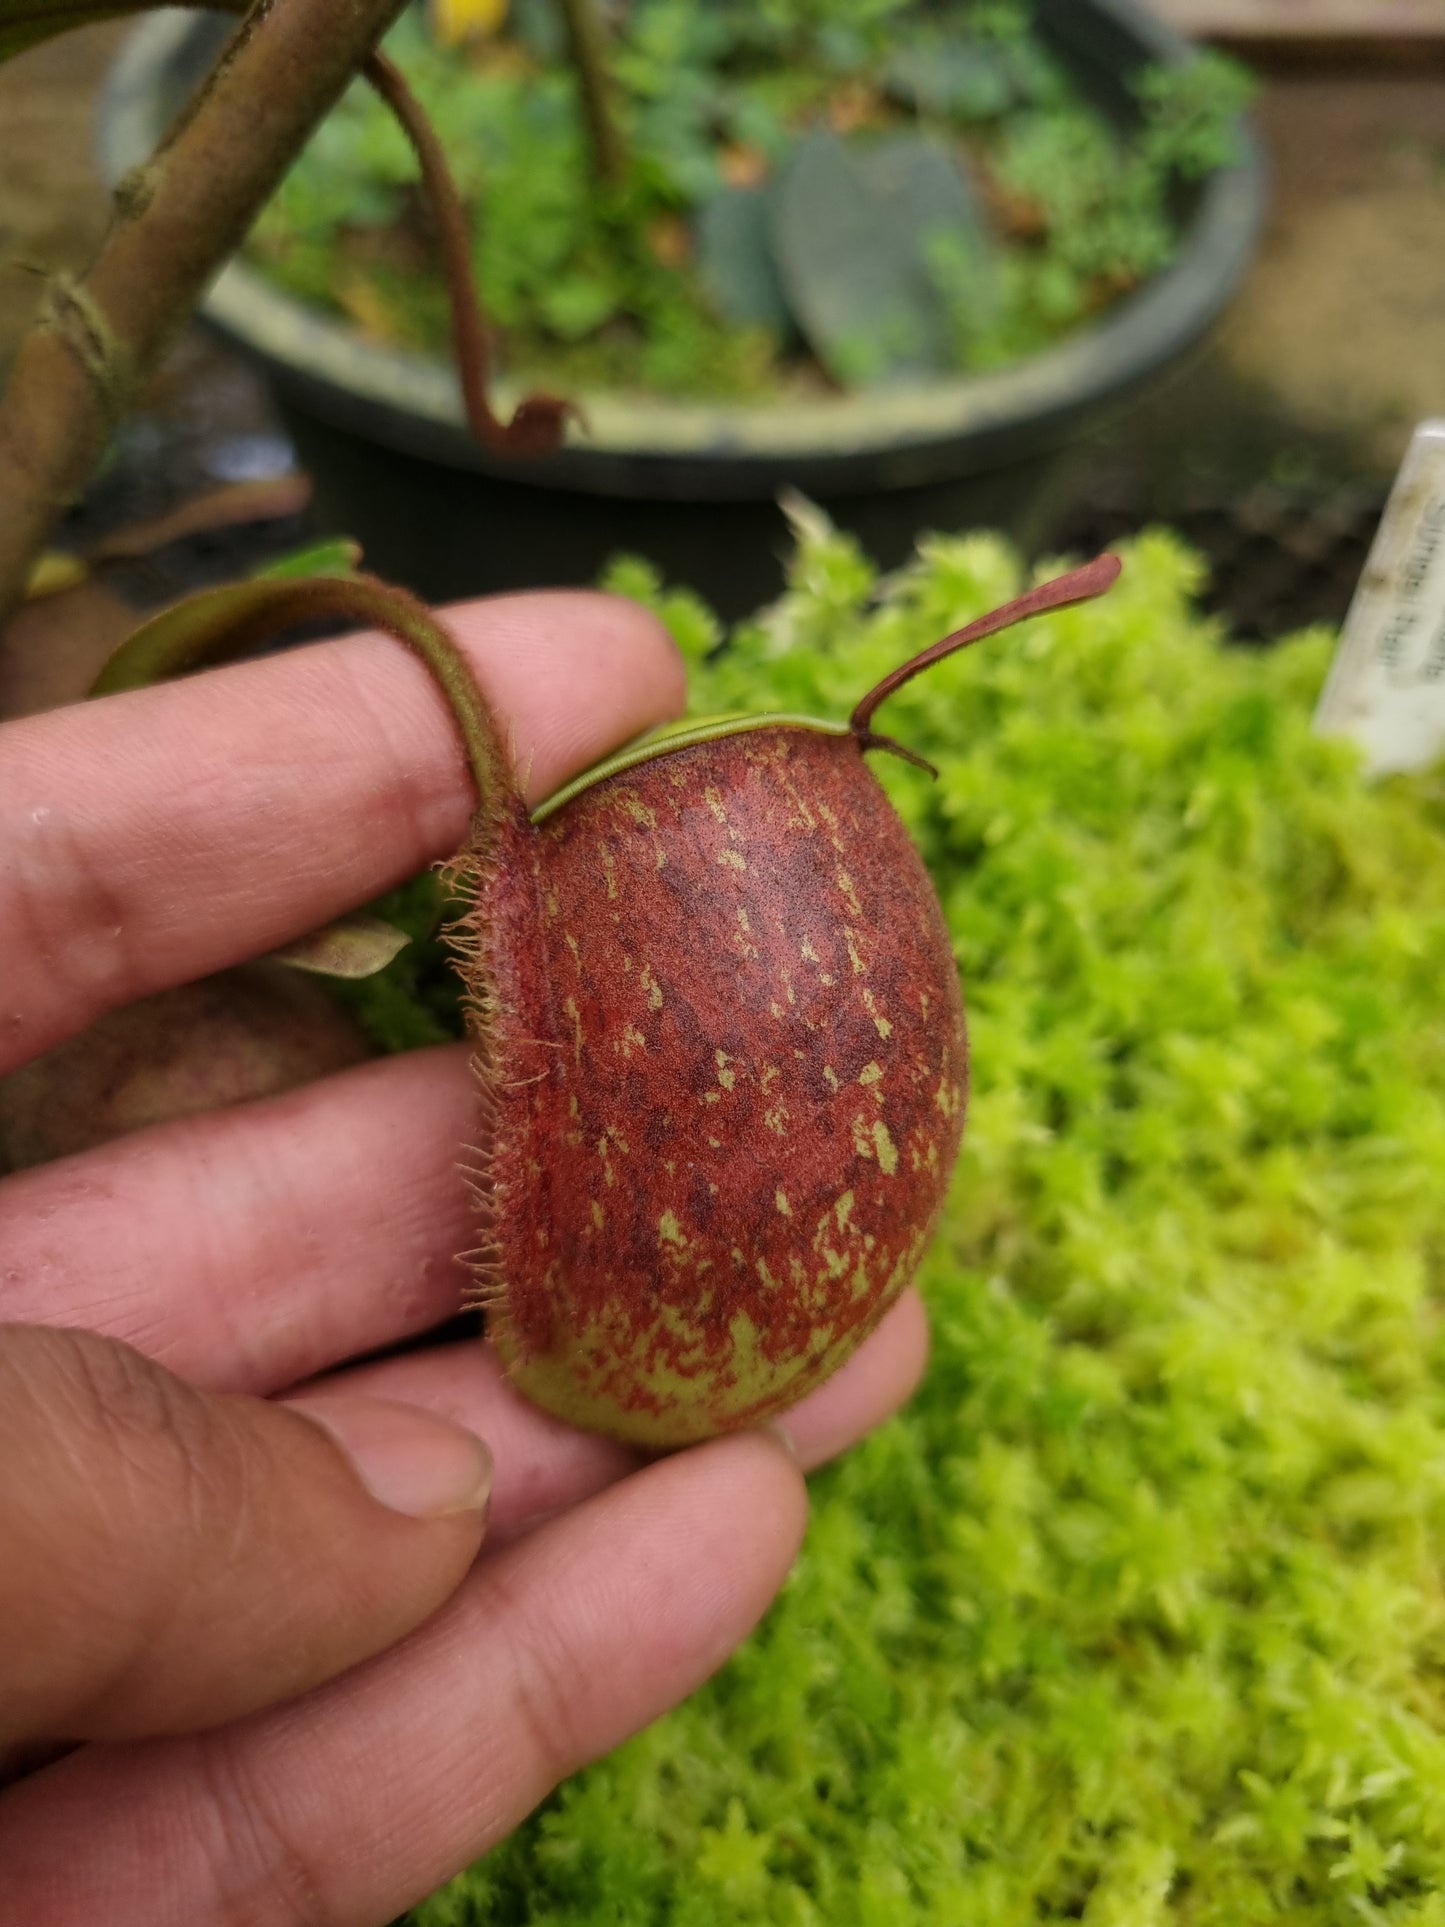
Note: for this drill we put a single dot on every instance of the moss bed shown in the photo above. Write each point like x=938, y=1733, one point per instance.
x=1135, y=1615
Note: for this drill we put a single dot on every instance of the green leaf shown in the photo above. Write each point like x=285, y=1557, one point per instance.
x=334, y=555
x=575, y=305
x=52, y=573
x=940, y=72
x=217, y=624
x=214, y=626
x=353, y=947
x=735, y=260
x=852, y=229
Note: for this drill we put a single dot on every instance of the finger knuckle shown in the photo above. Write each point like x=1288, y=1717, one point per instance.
x=260, y=1868
x=104, y=1404
x=550, y=1686
x=66, y=909
x=140, y=1412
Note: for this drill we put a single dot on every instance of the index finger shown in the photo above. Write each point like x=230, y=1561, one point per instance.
x=152, y=838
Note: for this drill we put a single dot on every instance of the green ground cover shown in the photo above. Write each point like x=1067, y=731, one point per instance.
x=1135, y=1616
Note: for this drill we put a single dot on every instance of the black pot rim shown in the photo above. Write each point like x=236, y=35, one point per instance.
x=643, y=446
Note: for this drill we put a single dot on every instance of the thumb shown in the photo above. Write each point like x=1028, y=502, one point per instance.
x=173, y=1559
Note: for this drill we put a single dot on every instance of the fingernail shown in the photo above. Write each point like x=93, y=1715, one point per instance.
x=410, y=1460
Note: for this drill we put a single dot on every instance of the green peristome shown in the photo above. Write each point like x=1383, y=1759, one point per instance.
x=1060, y=592
x=670, y=738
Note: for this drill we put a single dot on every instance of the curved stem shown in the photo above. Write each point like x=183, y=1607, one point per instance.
x=402, y=615
x=182, y=216
x=176, y=222
x=220, y=624
x=1079, y=585
x=539, y=421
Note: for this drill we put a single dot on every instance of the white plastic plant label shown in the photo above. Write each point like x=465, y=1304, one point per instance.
x=1386, y=688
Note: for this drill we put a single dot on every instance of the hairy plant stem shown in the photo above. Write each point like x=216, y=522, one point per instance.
x=218, y=625
x=588, y=36
x=175, y=224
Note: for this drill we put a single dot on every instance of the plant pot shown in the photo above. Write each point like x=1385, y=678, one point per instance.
x=693, y=485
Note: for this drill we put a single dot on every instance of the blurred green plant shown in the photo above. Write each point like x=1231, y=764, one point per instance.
x=652, y=280
x=1135, y=1616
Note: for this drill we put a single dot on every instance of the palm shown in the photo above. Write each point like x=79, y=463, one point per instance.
x=159, y=837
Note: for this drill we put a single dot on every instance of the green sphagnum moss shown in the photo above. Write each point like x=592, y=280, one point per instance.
x=1135, y=1616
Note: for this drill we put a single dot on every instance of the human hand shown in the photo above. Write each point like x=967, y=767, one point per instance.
x=286, y=1699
